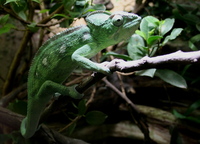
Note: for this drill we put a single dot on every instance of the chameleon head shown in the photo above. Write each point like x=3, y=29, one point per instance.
x=114, y=27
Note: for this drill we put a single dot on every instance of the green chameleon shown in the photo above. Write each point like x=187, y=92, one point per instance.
x=61, y=54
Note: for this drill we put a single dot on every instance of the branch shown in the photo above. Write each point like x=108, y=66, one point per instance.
x=178, y=57
x=44, y=135
x=4, y=101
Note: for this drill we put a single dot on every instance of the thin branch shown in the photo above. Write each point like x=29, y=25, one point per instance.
x=178, y=57
x=12, y=95
x=44, y=135
x=123, y=96
x=15, y=63
x=135, y=113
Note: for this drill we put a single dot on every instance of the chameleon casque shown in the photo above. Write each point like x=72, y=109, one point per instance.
x=61, y=54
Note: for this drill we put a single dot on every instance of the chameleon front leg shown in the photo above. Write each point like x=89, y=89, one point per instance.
x=37, y=104
x=81, y=55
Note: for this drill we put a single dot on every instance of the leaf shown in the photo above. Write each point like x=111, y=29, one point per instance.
x=182, y=116
x=95, y=117
x=192, y=46
x=18, y=106
x=135, y=47
x=4, y=19
x=152, y=21
x=178, y=115
x=6, y=28
x=95, y=7
x=82, y=107
x=20, y=8
x=121, y=56
x=193, y=40
x=144, y=28
x=191, y=19
x=71, y=128
x=198, y=26
x=59, y=15
x=171, y=77
x=140, y=33
x=37, y=1
x=148, y=25
x=148, y=72
x=193, y=107
x=32, y=27
x=44, y=11
x=10, y=1
x=152, y=39
x=166, y=26
x=175, y=32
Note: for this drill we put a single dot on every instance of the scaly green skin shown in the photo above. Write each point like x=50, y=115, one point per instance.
x=61, y=54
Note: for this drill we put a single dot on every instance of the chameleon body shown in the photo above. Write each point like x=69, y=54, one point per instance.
x=61, y=54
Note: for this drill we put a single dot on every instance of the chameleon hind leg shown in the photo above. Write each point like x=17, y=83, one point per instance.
x=37, y=104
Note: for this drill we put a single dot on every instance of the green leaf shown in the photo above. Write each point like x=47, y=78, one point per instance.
x=6, y=28
x=94, y=7
x=136, y=46
x=166, y=26
x=140, y=33
x=20, y=8
x=191, y=19
x=4, y=19
x=32, y=27
x=10, y=1
x=178, y=115
x=198, y=26
x=144, y=28
x=44, y=11
x=152, y=39
x=37, y=1
x=193, y=107
x=59, y=15
x=148, y=25
x=95, y=117
x=148, y=72
x=182, y=116
x=82, y=107
x=18, y=106
x=192, y=42
x=71, y=128
x=121, y=56
x=171, y=77
x=175, y=32
x=152, y=21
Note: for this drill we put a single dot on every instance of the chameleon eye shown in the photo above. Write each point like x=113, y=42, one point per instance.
x=117, y=20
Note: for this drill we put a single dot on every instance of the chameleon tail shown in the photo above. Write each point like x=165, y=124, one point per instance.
x=29, y=124
x=37, y=104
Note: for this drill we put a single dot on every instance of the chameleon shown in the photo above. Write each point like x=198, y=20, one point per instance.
x=61, y=54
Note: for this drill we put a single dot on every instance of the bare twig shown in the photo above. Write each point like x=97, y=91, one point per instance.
x=12, y=95
x=178, y=57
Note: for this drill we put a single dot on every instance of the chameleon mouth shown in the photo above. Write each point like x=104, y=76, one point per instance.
x=132, y=23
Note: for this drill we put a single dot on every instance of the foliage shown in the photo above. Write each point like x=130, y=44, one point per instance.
x=147, y=41
x=186, y=14
x=188, y=114
x=21, y=11
x=91, y=117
